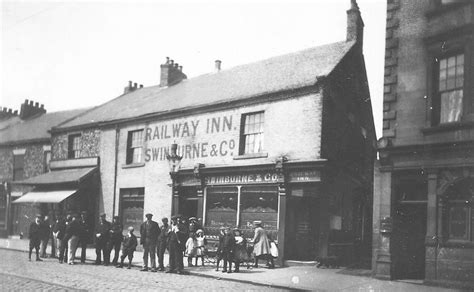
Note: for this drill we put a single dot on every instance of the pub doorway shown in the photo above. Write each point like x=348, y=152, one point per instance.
x=302, y=228
x=409, y=240
x=188, y=202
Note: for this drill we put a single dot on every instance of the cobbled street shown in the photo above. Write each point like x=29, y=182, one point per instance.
x=17, y=273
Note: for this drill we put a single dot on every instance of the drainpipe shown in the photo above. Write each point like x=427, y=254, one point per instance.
x=117, y=138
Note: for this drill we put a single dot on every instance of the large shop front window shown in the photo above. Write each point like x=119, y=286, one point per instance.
x=459, y=212
x=449, y=101
x=131, y=207
x=241, y=205
x=134, y=146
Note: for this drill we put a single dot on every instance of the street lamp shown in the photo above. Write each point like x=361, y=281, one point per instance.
x=174, y=161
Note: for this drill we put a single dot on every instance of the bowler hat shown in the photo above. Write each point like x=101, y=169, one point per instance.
x=148, y=215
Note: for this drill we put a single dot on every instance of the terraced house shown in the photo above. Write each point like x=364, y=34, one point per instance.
x=288, y=140
x=423, y=214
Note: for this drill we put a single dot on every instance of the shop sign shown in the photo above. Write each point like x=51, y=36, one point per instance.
x=189, y=181
x=252, y=178
x=305, y=176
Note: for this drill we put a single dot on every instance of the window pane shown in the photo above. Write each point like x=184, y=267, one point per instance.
x=259, y=203
x=451, y=61
x=451, y=106
x=442, y=64
x=458, y=222
x=221, y=206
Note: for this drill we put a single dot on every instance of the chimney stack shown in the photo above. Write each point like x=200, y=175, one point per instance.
x=6, y=113
x=217, y=67
x=355, y=25
x=171, y=73
x=29, y=109
x=131, y=87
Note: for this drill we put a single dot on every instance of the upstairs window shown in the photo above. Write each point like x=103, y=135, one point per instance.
x=74, y=146
x=251, y=140
x=18, y=166
x=135, y=146
x=450, y=88
x=47, y=159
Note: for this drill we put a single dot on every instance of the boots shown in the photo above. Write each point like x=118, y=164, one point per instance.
x=129, y=265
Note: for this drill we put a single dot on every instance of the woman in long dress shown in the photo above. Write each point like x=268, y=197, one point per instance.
x=261, y=248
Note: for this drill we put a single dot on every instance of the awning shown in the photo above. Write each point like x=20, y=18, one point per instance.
x=45, y=197
x=75, y=175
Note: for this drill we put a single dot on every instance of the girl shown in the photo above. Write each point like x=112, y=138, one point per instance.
x=191, y=248
x=200, y=246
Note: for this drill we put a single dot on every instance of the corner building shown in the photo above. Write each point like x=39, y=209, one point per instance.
x=423, y=209
x=288, y=140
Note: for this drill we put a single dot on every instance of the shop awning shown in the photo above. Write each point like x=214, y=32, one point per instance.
x=45, y=197
x=75, y=175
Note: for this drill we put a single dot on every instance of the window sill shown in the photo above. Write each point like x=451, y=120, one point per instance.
x=251, y=156
x=133, y=165
x=448, y=127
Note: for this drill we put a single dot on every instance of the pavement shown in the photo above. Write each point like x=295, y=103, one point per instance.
x=285, y=278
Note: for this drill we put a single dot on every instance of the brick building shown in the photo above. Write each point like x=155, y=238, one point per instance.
x=25, y=152
x=424, y=199
x=288, y=140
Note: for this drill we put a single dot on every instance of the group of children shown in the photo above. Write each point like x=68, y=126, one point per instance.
x=232, y=248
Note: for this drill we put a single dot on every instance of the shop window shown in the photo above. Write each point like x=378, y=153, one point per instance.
x=221, y=206
x=74, y=146
x=18, y=166
x=251, y=140
x=134, y=146
x=131, y=207
x=259, y=203
x=460, y=216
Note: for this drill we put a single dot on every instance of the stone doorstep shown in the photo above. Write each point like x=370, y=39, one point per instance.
x=293, y=263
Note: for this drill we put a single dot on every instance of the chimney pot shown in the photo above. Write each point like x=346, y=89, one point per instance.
x=135, y=85
x=15, y=112
x=167, y=60
x=10, y=111
x=176, y=65
x=4, y=109
x=26, y=101
x=36, y=104
x=141, y=85
x=180, y=68
x=171, y=62
x=31, y=102
x=218, y=65
x=42, y=106
x=130, y=83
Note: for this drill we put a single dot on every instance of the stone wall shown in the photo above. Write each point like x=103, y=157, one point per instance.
x=90, y=144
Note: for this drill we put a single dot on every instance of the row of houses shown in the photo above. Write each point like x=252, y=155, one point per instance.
x=289, y=140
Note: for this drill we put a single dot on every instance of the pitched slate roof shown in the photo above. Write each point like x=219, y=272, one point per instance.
x=286, y=72
x=35, y=128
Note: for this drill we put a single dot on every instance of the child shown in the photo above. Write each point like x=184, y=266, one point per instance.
x=240, y=254
x=219, y=247
x=200, y=246
x=128, y=247
x=191, y=248
x=228, y=245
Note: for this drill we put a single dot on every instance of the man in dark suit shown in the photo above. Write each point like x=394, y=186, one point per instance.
x=149, y=232
x=101, y=240
x=162, y=242
x=35, y=237
x=116, y=238
x=84, y=235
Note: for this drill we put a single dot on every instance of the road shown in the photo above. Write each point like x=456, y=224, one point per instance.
x=17, y=273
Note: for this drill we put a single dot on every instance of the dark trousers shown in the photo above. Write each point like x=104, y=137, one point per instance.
x=160, y=252
x=176, y=257
x=34, y=244
x=102, y=248
x=83, y=245
x=227, y=257
x=63, y=250
x=53, y=247
x=115, y=245
x=125, y=254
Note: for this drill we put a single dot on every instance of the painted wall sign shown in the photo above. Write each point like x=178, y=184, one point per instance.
x=182, y=132
x=305, y=176
x=253, y=178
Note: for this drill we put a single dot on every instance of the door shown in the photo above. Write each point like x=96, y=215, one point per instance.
x=188, y=202
x=301, y=229
x=409, y=241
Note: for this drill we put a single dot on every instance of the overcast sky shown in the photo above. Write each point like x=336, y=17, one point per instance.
x=73, y=54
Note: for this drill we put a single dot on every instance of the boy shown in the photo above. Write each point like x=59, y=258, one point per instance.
x=128, y=247
x=219, y=247
x=228, y=245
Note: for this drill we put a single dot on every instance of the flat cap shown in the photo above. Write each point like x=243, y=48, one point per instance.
x=148, y=215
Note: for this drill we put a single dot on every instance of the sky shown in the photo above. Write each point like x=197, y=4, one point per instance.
x=75, y=54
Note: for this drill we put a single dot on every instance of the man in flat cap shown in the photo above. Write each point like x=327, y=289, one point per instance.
x=176, y=246
x=162, y=242
x=83, y=235
x=149, y=232
x=101, y=240
x=116, y=238
x=35, y=237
